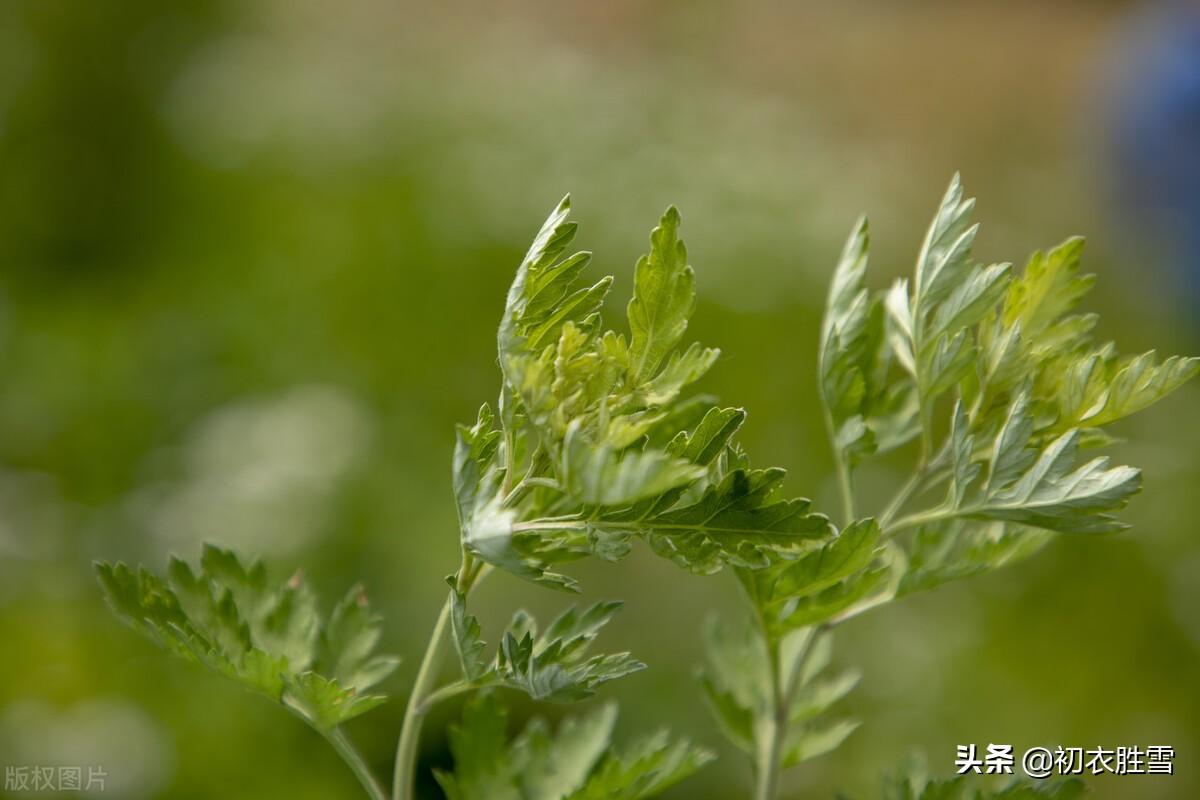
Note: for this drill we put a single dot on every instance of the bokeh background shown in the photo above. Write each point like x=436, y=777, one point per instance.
x=251, y=259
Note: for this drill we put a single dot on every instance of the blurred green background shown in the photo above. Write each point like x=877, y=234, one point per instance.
x=251, y=259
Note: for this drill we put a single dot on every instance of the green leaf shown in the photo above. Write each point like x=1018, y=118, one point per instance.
x=596, y=474
x=737, y=683
x=467, y=639
x=1050, y=287
x=978, y=293
x=542, y=297
x=736, y=680
x=577, y=762
x=560, y=765
x=954, y=550
x=649, y=767
x=325, y=703
x=1011, y=454
x=554, y=666
x=265, y=635
x=482, y=764
x=806, y=744
x=736, y=522
x=348, y=642
x=663, y=298
x=1055, y=495
x=846, y=555
x=913, y=787
x=1137, y=384
x=945, y=253
x=833, y=601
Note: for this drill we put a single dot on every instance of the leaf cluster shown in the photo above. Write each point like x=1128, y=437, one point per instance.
x=553, y=665
x=1002, y=380
x=266, y=635
x=595, y=443
x=576, y=762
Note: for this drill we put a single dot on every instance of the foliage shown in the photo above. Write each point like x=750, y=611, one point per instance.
x=595, y=445
x=999, y=381
x=914, y=788
x=577, y=762
x=267, y=636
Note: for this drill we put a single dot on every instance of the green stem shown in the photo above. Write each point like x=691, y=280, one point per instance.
x=356, y=763
x=902, y=497
x=404, y=782
x=424, y=696
x=845, y=482
x=446, y=692
x=846, y=488
x=921, y=518
x=767, y=758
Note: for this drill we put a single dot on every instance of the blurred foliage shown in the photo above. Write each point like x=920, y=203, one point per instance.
x=251, y=263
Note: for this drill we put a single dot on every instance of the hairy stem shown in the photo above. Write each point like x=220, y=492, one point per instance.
x=355, y=761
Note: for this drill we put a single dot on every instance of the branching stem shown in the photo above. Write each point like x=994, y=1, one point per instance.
x=424, y=696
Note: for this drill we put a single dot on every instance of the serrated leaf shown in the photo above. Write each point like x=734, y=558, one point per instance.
x=265, y=635
x=560, y=765
x=952, y=551
x=325, y=703
x=576, y=762
x=945, y=253
x=663, y=298
x=552, y=666
x=734, y=522
x=682, y=369
x=977, y=294
x=809, y=743
x=596, y=474
x=467, y=639
x=1011, y=454
x=479, y=744
x=849, y=553
x=1049, y=287
x=739, y=686
x=1138, y=384
x=919, y=787
x=348, y=643
x=649, y=767
x=829, y=603
x=962, y=448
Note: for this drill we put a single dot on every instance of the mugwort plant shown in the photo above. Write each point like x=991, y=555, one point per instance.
x=987, y=375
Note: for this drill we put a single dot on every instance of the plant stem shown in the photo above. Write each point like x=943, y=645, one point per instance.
x=768, y=763
x=403, y=786
x=356, y=763
x=445, y=693
x=901, y=497
x=922, y=518
x=845, y=483
x=424, y=696
x=766, y=767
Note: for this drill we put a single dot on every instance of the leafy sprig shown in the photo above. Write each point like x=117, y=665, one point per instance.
x=553, y=665
x=991, y=376
x=596, y=425
x=1000, y=381
x=266, y=635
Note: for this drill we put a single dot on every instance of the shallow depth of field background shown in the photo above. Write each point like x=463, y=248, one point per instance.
x=251, y=259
